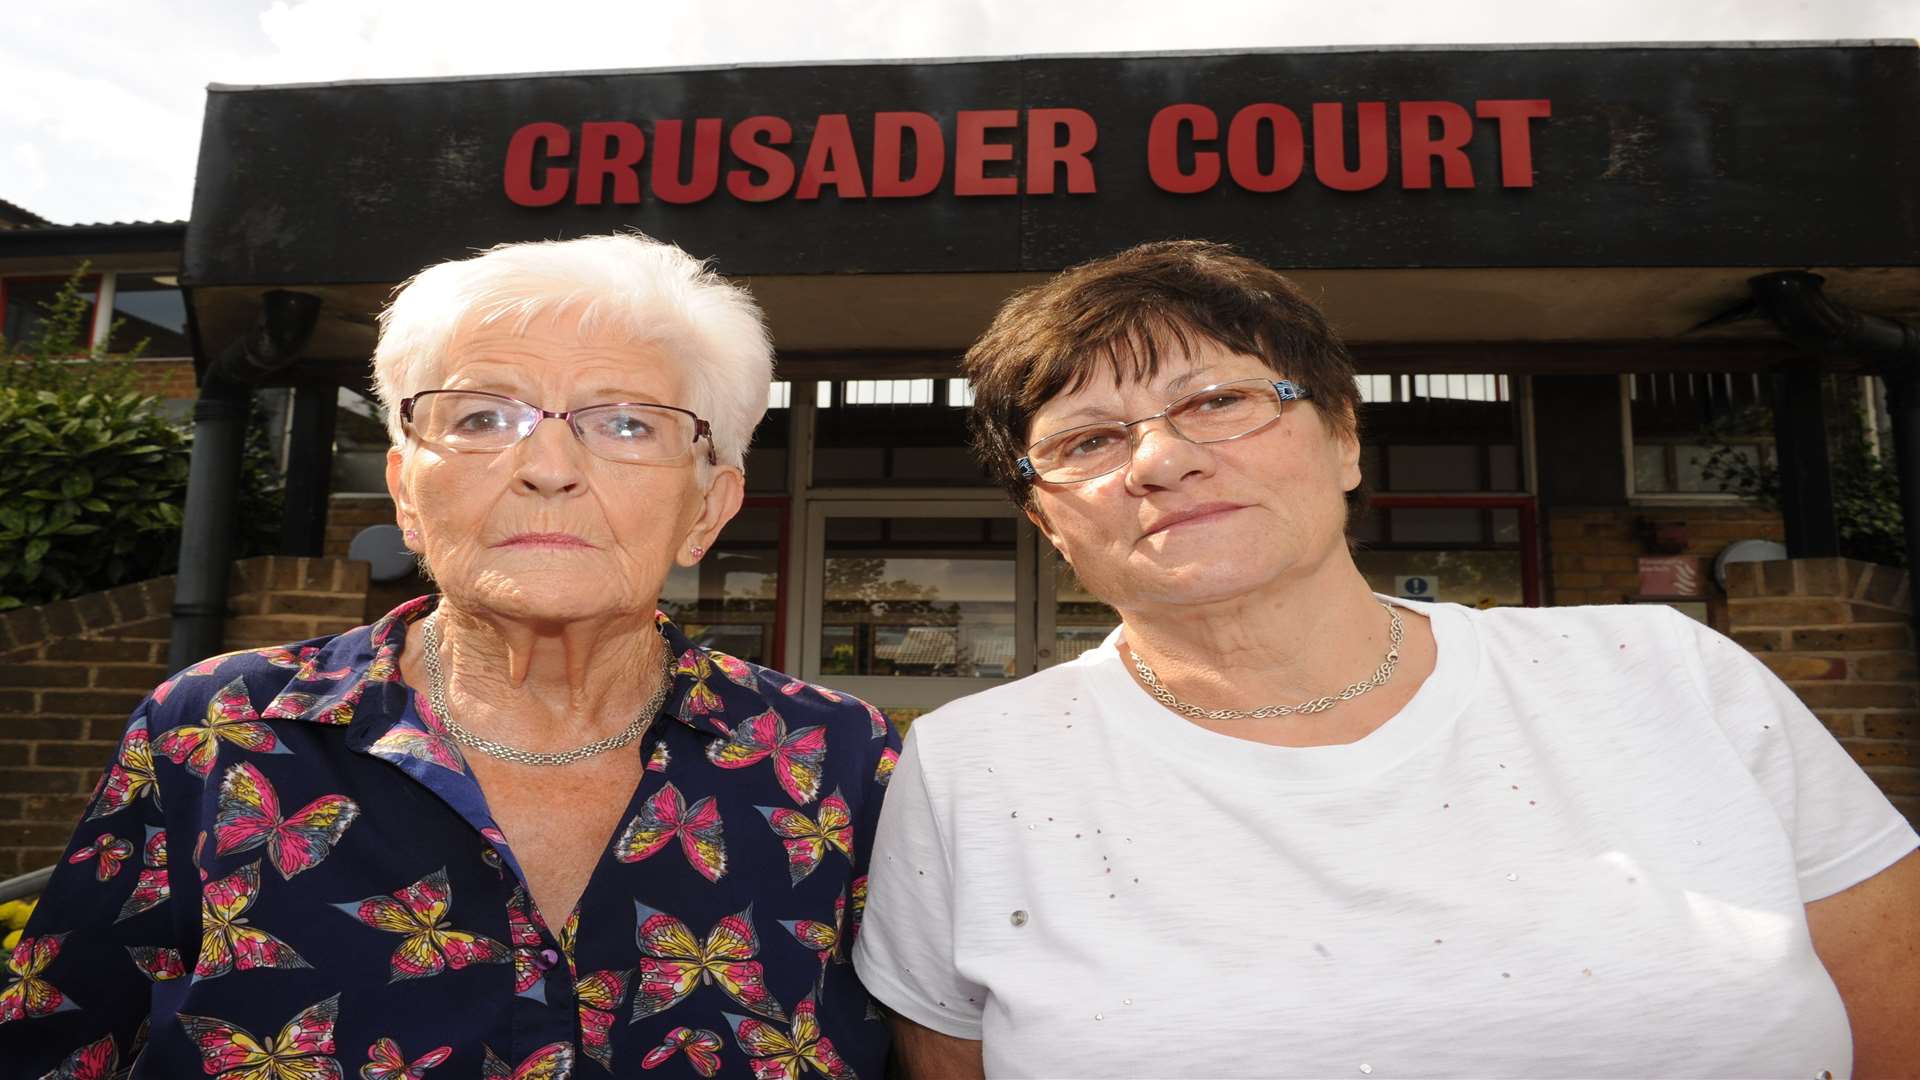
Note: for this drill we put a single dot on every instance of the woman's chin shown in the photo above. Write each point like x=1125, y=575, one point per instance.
x=553, y=595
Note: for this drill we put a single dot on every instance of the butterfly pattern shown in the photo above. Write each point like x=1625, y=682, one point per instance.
x=808, y=839
x=289, y=868
x=701, y=1046
x=419, y=912
x=249, y=817
x=230, y=718
x=790, y=1054
x=666, y=816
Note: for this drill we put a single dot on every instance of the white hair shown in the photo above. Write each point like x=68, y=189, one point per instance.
x=623, y=283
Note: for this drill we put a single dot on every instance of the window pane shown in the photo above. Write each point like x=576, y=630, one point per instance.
x=910, y=430
x=1465, y=526
x=1434, y=468
x=1080, y=622
x=1650, y=469
x=149, y=311
x=729, y=600
x=26, y=300
x=359, y=446
x=921, y=599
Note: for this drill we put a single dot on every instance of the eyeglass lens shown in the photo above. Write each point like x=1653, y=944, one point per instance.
x=483, y=423
x=1215, y=414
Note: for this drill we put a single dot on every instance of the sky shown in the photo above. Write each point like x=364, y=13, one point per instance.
x=103, y=98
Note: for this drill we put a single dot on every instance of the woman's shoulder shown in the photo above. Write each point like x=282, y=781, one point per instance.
x=797, y=702
x=319, y=680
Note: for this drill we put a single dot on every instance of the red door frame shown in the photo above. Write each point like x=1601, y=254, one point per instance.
x=1527, y=505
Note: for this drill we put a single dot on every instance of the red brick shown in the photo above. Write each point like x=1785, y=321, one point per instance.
x=62, y=619
x=129, y=603
x=1795, y=611
x=1743, y=580
x=56, y=807
x=1887, y=587
x=1760, y=641
x=91, y=649
x=324, y=606
x=94, y=755
x=1799, y=667
x=15, y=703
x=12, y=808
x=24, y=627
x=41, y=676
x=1891, y=725
x=36, y=728
x=1858, y=695
x=43, y=781
x=1881, y=752
x=1887, y=667
x=141, y=677
x=1778, y=578
x=1882, y=637
x=89, y=702
x=1870, y=613
x=1844, y=725
x=1823, y=577
x=1896, y=780
x=13, y=753
x=154, y=629
x=39, y=835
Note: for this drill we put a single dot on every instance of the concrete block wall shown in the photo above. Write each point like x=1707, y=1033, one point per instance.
x=1840, y=634
x=72, y=671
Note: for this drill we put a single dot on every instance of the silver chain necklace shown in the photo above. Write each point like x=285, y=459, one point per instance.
x=1320, y=704
x=437, y=694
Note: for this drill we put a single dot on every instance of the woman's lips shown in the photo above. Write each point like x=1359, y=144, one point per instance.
x=552, y=540
x=1205, y=512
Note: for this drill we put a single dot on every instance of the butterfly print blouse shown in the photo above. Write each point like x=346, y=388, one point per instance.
x=289, y=873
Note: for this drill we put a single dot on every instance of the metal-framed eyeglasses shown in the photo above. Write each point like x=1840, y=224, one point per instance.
x=630, y=432
x=1211, y=414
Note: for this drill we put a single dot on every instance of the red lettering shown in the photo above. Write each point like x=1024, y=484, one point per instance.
x=831, y=159
x=1243, y=147
x=1046, y=149
x=1516, y=136
x=1330, y=146
x=972, y=152
x=746, y=144
x=522, y=149
x=1164, y=138
x=609, y=149
x=1419, y=145
x=667, y=185
x=929, y=155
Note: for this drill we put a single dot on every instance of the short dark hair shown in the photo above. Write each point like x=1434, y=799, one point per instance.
x=1118, y=313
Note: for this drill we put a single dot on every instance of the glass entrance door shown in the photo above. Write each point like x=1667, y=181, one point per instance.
x=913, y=603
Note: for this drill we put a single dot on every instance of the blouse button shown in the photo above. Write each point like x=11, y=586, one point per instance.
x=548, y=958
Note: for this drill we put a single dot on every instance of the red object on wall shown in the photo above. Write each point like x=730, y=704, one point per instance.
x=1671, y=575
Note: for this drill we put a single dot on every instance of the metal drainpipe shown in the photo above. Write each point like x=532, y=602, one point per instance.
x=1794, y=301
x=213, y=474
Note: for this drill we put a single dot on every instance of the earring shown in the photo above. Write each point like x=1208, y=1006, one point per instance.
x=412, y=535
x=697, y=550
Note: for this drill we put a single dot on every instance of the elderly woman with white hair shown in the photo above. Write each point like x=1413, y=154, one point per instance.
x=524, y=828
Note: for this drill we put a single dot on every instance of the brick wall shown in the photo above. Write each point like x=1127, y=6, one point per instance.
x=165, y=378
x=1594, y=552
x=1840, y=634
x=71, y=672
x=348, y=514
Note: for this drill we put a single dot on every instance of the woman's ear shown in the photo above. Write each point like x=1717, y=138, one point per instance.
x=726, y=490
x=403, y=513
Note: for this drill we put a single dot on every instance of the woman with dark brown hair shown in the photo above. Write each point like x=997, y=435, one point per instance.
x=1279, y=825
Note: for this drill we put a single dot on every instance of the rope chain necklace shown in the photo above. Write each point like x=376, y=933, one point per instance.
x=437, y=694
x=1395, y=631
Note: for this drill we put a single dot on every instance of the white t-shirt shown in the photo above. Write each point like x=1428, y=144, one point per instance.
x=1582, y=849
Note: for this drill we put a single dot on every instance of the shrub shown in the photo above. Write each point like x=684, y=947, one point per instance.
x=93, y=478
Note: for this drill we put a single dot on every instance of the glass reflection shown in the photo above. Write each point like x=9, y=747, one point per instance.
x=918, y=597
x=730, y=600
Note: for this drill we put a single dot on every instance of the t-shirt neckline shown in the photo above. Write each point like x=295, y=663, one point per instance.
x=1431, y=711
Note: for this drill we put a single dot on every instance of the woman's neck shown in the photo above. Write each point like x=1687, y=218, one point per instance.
x=1298, y=638
x=543, y=686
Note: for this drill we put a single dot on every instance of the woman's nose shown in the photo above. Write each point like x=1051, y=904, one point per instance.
x=550, y=460
x=1162, y=456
